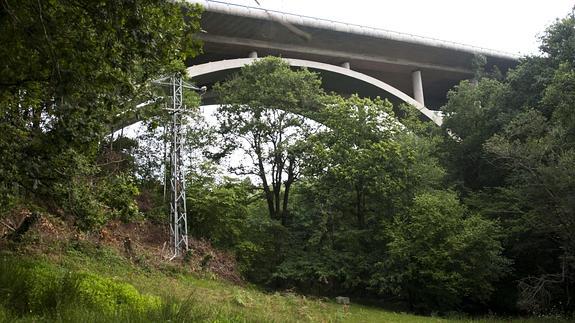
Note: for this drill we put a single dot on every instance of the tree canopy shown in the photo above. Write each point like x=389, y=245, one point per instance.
x=514, y=162
x=261, y=113
x=68, y=70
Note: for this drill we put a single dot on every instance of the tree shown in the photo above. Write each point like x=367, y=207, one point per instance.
x=513, y=147
x=439, y=255
x=69, y=68
x=355, y=155
x=362, y=169
x=540, y=189
x=262, y=113
x=474, y=112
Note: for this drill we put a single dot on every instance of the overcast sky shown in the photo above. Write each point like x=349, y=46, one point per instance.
x=506, y=25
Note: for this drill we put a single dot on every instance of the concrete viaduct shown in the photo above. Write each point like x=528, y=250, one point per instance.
x=350, y=58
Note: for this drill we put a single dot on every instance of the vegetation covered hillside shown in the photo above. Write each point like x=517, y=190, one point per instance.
x=295, y=196
x=58, y=275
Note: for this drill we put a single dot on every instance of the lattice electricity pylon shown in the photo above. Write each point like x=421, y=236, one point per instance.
x=178, y=212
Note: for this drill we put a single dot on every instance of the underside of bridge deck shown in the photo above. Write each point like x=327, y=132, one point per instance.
x=234, y=31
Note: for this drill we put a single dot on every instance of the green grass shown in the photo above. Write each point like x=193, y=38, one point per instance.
x=181, y=297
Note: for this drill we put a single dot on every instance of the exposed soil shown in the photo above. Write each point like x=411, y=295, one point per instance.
x=140, y=242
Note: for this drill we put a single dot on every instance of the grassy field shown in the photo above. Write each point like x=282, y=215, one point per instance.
x=87, y=283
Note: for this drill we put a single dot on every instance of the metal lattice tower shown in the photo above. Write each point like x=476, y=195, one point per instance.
x=178, y=212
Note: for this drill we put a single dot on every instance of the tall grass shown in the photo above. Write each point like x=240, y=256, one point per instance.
x=37, y=291
x=91, y=285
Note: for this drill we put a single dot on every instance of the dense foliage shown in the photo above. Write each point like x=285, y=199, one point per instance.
x=512, y=155
x=69, y=71
x=335, y=196
x=259, y=115
x=364, y=184
x=477, y=215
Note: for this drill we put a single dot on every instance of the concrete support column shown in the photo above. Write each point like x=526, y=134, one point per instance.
x=417, y=87
x=253, y=54
x=345, y=65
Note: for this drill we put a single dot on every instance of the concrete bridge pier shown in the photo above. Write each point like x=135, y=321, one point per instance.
x=417, y=87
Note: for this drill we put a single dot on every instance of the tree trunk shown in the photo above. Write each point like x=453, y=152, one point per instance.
x=277, y=172
x=267, y=191
x=277, y=199
x=289, y=181
x=269, y=197
x=26, y=224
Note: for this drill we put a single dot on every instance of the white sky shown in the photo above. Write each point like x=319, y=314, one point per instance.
x=506, y=25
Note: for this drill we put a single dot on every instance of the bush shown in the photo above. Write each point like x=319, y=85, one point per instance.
x=218, y=211
x=35, y=287
x=78, y=199
x=118, y=193
x=93, y=201
x=109, y=296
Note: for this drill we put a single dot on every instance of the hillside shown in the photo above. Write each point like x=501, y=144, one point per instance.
x=55, y=273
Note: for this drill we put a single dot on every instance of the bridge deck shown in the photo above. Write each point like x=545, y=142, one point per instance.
x=232, y=31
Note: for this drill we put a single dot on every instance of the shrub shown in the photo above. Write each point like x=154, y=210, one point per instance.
x=110, y=296
x=118, y=193
x=88, y=211
x=94, y=201
x=29, y=287
x=35, y=287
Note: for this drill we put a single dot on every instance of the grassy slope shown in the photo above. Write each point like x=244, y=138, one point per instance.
x=212, y=300
x=187, y=297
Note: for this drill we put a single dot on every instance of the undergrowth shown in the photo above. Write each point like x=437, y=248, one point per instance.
x=90, y=283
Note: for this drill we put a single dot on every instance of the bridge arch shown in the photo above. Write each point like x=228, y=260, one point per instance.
x=231, y=64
